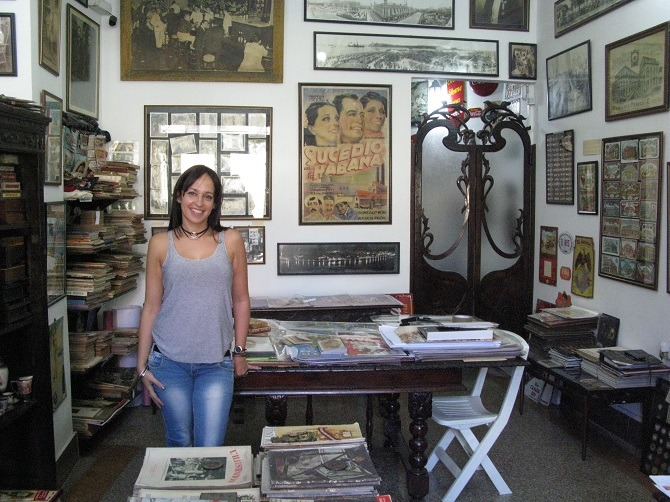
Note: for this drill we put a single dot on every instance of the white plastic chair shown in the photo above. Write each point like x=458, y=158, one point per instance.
x=460, y=414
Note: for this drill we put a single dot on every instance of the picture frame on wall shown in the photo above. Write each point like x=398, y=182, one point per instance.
x=560, y=158
x=548, y=265
x=49, y=33
x=55, y=251
x=244, y=44
x=8, y=63
x=522, y=61
x=587, y=187
x=511, y=15
x=412, y=13
x=352, y=123
x=254, y=243
x=642, y=59
x=53, y=108
x=83, y=64
x=569, y=82
x=336, y=258
x=570, y=15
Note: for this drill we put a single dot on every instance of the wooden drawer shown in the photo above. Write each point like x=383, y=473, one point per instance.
x=12, y=211
x=12, y=252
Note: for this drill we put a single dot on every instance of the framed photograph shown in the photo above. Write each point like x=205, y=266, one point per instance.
x=233, y=141
x=503, y=15
x=83, y=63
x=53, y=108
x=49, y=33
x=8, y=62
x=569, y=15
x=636, y=74
x=583, y=267
x=83, y=2
x=241, y=42
x=410, y=13
x=569, y=81
x=630, y=202
x=254, y=244
x=548, y=255
x=587, y=187
x=345, y=162
x=522, y=61
x=405, y=54
x=560, y=167
x=419, y=101
x=338, y=258
x=56, y=281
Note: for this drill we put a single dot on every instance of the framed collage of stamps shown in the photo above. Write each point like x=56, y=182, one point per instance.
x=630, y=208
x=560, y=170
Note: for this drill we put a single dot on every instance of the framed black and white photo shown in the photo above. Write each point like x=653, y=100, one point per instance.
x=522, y=61
x=571, y=14
x=560, y=161
x=409, y=13
x=338, y=258
x=53, y=108
x=8, y=66
x=55, y=252
x=587, y=187
x=49, y=32
x=569, y=81
x=408, y=54
x=254, y=243
x=83, y=63
x=500, y=14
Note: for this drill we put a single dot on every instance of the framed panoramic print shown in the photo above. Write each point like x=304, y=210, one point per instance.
x=630, y=208
x=254, y=244
x=560, y=153
x=53, y=108
x=409, y=54
x=345, y=162
x=411, y=13
x=233, y=141
x=642, y=58
x=244, y=42
x=55, y=253
x=49, y=33
x=522, y=61
x=503, y=15
x=83, y=63
x=569, y=15
x=8, y=66
x=569, y=81
x=587, y=187
x=338, y=258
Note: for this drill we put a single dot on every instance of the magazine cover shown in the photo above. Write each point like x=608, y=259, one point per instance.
x=30, y=495
x=301, y=436
x=238, y=495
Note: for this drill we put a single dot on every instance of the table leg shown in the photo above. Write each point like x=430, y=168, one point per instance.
x=390, y=412
x=585, y=424
x=420, y=406
x=276, y=409
x=369, y=414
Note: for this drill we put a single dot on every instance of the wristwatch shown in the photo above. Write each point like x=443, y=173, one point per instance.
x=238, y=350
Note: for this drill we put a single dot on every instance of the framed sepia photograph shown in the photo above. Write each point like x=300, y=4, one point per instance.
x=569, y=82
x=8, y=64
x=227, y=42
x=502, y=15
x=83, y=63
x=587, y=187
x=53, y=108
x=345, y=162
x=409, y=13
x=522, y=61
x=254, y=244
x=569, y=14
x=49, y=33
x=233, y=141
x=338, y=258
x=636, y=74
x=408, y=54
x=55, y=252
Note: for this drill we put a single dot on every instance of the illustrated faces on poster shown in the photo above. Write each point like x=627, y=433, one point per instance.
x=325, y=126
x=374, y=115
x=351, y=121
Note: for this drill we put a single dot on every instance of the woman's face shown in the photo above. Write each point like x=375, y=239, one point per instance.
x=326, y=127
x=197, y=202
x=374, y=115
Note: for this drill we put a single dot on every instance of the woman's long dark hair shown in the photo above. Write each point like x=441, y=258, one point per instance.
x=187, y=178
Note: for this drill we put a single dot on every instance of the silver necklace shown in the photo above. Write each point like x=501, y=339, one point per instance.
x=194, y=235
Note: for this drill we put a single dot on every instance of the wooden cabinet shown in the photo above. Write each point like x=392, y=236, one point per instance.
x=27, y=456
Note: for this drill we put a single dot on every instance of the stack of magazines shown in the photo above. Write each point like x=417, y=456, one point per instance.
x=620, y=367
x=572, y=326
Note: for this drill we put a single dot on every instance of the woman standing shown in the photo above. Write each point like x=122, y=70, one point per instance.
x=195, y=319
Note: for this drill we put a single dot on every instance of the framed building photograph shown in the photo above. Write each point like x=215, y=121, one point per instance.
x=83, y=63
x=53, y=108
x=49, y=33
x=522, y=61
x=408, y=54
x=560, y=167
x=636, y=74
x=587, y=187
x=178, y=137
x=569, y=81
x=499, y=15
x=345, y=163
x=226, y=42
x=409, y=13
x=254, y=244
x=8, y=64
x=338, y=258
x=569, y=14
x=55, y=252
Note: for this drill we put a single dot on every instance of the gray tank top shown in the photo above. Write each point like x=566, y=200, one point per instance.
x=195, y=320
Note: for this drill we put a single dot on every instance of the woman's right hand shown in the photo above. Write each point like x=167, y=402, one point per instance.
x=149, y=380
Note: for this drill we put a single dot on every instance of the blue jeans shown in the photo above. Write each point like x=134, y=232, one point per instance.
x=196, y=398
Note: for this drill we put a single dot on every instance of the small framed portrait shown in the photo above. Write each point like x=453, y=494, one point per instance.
x=509, y=15
x=7, y=45
x=254, y=243
x=522, y=61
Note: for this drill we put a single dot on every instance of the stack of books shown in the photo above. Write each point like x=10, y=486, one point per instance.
x=620, y=367
x=562, y=326
x=10, y=187
x=126, y=268
x=565, y=357
x=112, y=383
x=124, y=341
x=88, y=283
x=83, y=354
x=127, y=224
x=89, y=415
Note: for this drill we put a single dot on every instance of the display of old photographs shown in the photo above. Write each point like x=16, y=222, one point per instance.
x=254, y=244
x=240, y=41
x=8, y=63
x=56, y=250
x=569, y=81
x=53, y=108
x=587, y=187
x=345, y=164
x=522, y=61
x=409, y=13
x=49, y=33
x=507, y=15
x=233, y=141
x=560, y=167
x=630, y=208
x=570, y=14
x=636, y=74
x=338, y=258
x=83, y=63
x=408, y=54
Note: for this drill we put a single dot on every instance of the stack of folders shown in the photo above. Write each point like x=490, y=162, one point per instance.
x=621, y=367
